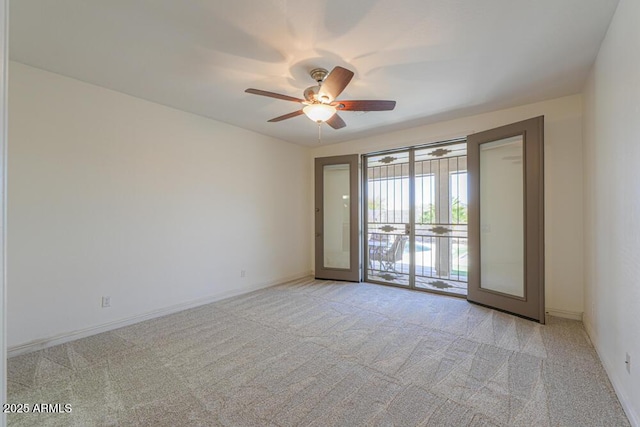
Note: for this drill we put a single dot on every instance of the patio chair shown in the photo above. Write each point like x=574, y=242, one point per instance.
x=389, y=256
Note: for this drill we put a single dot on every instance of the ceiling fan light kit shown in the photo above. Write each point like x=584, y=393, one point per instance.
x=319, y=101
x=319, y=112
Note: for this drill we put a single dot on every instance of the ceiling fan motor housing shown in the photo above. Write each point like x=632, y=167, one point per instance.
x=311, y=94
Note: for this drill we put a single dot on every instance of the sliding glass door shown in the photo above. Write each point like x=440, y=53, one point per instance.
x=416, y=218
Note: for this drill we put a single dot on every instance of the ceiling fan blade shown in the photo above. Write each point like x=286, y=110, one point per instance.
x=335, y=82
x=336, y=122
x=286, y=116
x=370, y=105
x=273, y=95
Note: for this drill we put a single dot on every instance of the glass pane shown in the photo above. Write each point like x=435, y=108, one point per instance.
x=337, y=201
x=502, y=216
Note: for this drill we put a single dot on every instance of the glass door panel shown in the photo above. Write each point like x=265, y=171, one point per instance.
x=337, y=198
x=441, y=218
x=502, y=216
x=388, y=188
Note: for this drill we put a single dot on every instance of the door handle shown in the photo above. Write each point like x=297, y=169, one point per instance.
x=407, y=229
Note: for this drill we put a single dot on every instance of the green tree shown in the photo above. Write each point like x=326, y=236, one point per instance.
x=374, y=204
x=428, y=215
x=458, y=212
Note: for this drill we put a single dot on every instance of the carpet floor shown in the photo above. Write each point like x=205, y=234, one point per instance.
x=322, y=353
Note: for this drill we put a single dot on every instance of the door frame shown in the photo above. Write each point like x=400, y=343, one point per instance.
x=4, y=49
x=532, y=305
x=353, y=273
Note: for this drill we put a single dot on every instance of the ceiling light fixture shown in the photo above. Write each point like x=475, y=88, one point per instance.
x=319, y=113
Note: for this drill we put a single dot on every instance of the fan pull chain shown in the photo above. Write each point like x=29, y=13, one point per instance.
x=319, y=132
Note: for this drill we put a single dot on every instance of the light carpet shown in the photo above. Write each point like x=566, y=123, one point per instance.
x=322, y=353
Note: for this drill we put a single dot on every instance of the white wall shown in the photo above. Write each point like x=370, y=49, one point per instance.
x=612, y=204
x=113, y=195
x=563, y=184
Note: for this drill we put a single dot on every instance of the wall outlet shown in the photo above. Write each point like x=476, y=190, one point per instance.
x=106, y=302
x=243, y=272
x=628, y=363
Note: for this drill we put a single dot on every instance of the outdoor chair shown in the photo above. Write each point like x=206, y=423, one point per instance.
x=389, y=256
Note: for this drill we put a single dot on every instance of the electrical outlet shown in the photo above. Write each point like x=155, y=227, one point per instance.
x=243, y=272
x=628, y=363
x=106, y=302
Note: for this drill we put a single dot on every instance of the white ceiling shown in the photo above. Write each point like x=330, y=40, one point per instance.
x=439, y=59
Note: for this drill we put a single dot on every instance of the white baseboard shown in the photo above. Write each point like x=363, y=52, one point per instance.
x=565, y=314
x=634, y=418
x=42, y=343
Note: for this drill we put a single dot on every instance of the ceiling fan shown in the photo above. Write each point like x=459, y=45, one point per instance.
x=320, y=104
